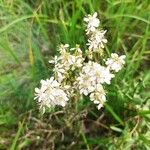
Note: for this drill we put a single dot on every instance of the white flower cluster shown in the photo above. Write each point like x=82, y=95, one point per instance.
x=115, y=62
x=92, y=23
x=74, y=75
x=50, y=94
x=92, y=74
x=97, y=38
x=66, y=61
x=90, y=81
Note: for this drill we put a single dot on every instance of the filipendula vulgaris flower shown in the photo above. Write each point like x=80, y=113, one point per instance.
x=92, y=23
x=98, y=96
x=91, y=78
x=115, y=62
x=66, y=61
x=78, y=73
x=97, y=40
x=50, y=94
x=96, y=37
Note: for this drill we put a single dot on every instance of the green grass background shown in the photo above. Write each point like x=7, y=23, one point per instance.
x=30, y=31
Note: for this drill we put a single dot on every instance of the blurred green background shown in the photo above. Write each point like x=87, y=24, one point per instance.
x=30, y=31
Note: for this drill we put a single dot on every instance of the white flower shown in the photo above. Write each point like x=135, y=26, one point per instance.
x=55, y=60
x=98, y=96
x=78, y=58
x=99, y=73
x=59, y=72
x=115, y=62
x=91, y=75
x=63, y=47
x=85, y=84
x=67, y=59
x=50, y=94
x=97, y=40
x=92, y=22
x=102, y=74
x=66, y=62
x=79, y=61
x=76, y=74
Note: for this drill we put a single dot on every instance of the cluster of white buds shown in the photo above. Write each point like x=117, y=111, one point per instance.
x=75, y=76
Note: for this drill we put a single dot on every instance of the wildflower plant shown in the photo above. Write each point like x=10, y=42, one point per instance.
x=75, y=76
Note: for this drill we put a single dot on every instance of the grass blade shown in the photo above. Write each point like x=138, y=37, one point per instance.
x=116, y=117
x=13, y=146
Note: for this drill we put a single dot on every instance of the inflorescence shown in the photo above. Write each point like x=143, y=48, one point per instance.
x=78, y=73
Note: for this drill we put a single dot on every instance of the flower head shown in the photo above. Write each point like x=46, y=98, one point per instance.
x=50, y=94
x=85, y=84
x=102, y=74
x=115, y=62
x=92, y=23
x=91, y=75
x=63, y=47
x=67, y=61
x=97, y=40
x=98, y=96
